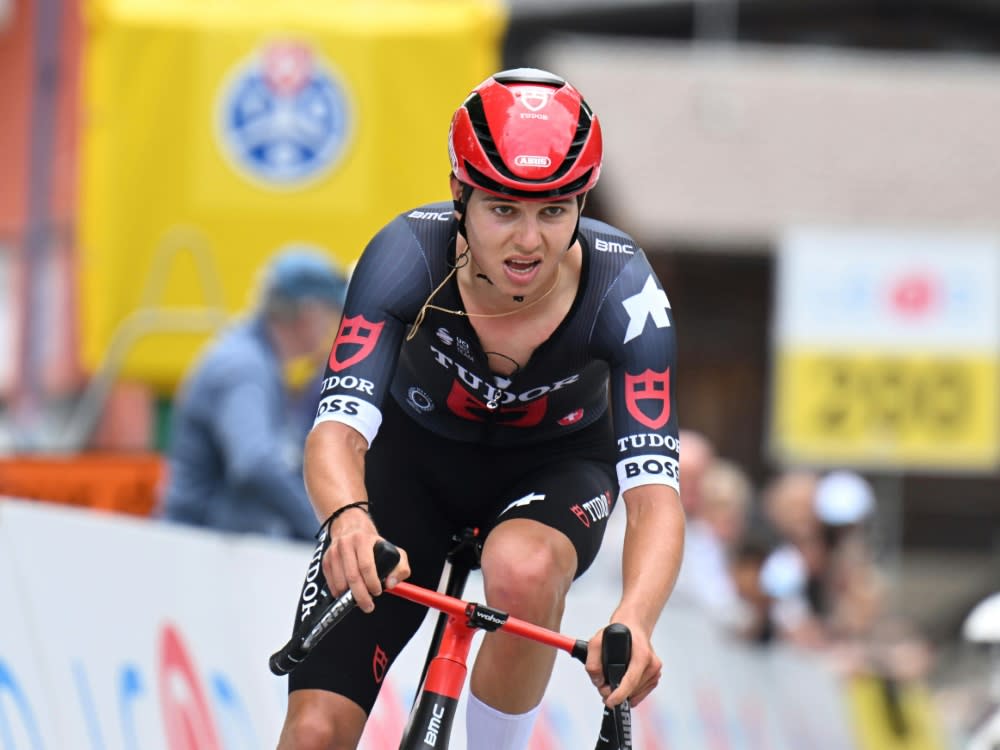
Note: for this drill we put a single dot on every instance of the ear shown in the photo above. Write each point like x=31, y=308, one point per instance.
x=456, y=193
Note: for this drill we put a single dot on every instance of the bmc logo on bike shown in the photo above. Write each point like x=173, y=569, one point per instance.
x=434, y=725
x=355, y=340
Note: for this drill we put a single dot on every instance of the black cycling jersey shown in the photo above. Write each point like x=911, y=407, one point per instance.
x=618, y=332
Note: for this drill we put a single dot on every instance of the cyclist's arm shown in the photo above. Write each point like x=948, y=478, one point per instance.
x=334, y=467
x=390, y=281
x=651, y=559
x=334, y=476
x=634, y=333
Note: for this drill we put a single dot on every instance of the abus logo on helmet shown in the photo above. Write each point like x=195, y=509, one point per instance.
x=524, y=160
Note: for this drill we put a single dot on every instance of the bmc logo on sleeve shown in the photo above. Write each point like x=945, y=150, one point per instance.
x=647, y=396
x=355, y=340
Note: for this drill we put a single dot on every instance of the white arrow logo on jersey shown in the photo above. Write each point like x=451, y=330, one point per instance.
x=526, y=500
x=651, y=302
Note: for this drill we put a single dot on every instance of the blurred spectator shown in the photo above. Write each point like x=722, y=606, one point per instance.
x=716, y=522
x=747, y=561
x=696, y=454
x=843, y=610
x=242, y=414
x=789, y=505
x=849, y=591
x=725, y=493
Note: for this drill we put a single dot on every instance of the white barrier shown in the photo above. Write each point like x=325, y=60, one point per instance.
x=126, y=634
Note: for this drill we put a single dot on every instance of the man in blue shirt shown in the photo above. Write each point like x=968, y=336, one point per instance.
x=239, y=422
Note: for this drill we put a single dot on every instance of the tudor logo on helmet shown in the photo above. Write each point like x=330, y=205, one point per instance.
x=535, y=99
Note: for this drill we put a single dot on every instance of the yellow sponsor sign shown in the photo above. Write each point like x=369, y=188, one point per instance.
x=216, y=134
x=891, y=716
x=877, y=408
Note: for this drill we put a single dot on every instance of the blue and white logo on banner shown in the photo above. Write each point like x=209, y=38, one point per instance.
x=284, y=117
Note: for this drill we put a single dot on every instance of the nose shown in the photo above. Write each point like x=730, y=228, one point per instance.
x=529, y=233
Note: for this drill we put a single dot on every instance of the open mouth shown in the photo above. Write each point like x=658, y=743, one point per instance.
x=521, y=267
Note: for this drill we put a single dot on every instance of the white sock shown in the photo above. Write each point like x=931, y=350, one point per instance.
x=489, y=729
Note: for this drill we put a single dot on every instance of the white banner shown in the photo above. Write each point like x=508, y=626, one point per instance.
x=849, y=289
x=125, y=634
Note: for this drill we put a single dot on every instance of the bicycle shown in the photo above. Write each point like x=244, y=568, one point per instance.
x=434, y=707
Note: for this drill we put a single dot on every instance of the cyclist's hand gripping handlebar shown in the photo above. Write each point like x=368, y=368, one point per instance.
x=313, y=622
x=616, y=651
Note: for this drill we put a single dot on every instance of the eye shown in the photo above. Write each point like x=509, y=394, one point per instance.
x=554, y=210
x=503, y=209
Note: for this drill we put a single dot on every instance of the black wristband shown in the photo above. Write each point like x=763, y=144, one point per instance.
x=363, y=504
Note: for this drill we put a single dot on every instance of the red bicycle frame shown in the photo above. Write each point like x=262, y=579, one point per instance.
x=434, y=709
x=433, y=713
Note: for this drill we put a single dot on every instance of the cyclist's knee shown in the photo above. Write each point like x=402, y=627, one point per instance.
x=320, y=724
x=308, y=732
x=528, y=574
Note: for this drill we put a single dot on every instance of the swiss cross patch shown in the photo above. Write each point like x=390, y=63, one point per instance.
x=355, y=340
x=572, y=418
x=647, y=396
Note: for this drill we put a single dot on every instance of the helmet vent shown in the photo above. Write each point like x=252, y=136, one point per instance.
x=477, y=116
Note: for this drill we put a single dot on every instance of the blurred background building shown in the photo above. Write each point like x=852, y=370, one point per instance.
x=815, y=181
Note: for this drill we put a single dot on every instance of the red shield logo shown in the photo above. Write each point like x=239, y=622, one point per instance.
x=652, y=388
x=380, y=663
x=355, y=341
x=467, y=406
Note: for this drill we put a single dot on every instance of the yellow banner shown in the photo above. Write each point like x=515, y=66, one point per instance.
x=215, y=134
x=877, y=409
x=890, y=716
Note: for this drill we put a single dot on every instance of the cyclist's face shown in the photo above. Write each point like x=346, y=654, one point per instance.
x=520, y=242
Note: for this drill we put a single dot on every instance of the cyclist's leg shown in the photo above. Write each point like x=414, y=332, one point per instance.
x=322, y=720
x=547, y=535
x=333, y=690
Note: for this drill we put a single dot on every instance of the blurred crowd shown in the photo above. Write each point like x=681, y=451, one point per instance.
x=794, y=560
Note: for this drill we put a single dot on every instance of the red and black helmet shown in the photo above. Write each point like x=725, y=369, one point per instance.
x=526, y=134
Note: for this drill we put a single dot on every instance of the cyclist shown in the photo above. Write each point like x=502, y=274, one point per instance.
x=469, y=386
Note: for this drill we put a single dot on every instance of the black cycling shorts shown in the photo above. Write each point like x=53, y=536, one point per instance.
x=424, y=489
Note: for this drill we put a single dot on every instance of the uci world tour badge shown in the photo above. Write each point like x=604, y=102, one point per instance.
x=284, y=118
